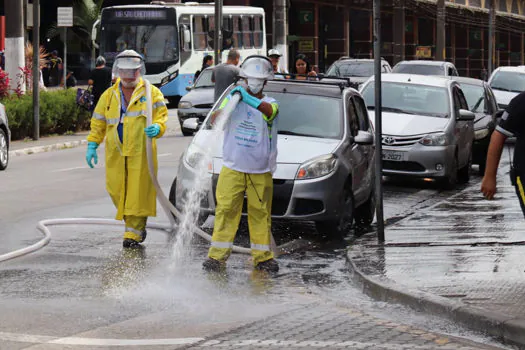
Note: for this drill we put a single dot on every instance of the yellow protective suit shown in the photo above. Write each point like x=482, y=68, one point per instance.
x=127, y=179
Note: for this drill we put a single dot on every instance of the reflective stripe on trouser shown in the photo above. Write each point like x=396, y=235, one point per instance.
x=230, y=194
x=520, y=192
x=135, y=226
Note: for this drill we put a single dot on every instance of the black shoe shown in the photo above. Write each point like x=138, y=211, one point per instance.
x=212, y=265
x=269, y=265
x=130, y=243
x=144, y=235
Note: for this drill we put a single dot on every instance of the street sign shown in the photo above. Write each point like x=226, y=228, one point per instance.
x=65, y=17
x=306, y=16
x=423, y=51
x=306, y=45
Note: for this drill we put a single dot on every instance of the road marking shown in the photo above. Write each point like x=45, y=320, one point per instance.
x=69, y=169
x=164, y=155
x=277, y=343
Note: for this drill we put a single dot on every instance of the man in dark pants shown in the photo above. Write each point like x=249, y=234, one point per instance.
x=512, y=124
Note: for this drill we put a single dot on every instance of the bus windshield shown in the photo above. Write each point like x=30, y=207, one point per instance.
x=150, y=33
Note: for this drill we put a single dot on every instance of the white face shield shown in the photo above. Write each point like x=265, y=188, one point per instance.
x=256, y=70
x=129, y=67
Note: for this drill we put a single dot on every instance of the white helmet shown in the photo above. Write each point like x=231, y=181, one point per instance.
x=127, y=63
x=257, y=67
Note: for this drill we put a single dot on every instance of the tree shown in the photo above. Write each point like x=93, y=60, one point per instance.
x=85, y=14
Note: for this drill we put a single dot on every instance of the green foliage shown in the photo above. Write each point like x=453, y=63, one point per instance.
x=59, y=114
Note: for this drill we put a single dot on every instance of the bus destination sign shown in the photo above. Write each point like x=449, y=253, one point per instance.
x=139, y=14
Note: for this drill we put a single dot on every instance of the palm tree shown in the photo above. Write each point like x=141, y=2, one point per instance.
x=85, y=14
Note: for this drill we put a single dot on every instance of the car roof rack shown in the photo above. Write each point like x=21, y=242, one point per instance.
x=341, y=82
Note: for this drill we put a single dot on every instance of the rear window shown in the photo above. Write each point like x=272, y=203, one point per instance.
x=420, y=69
x=307, y=115
x=204, y=79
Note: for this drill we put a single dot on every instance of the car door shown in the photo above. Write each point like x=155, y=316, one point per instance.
x=367, y=150
x=358, y=155
x=464, y=129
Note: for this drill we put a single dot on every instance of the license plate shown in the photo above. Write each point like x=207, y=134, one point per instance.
x=394, y=156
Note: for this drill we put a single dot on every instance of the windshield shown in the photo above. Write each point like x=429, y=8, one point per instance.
x=410, y=99
x=420, y=69
x=158, y=43
x=352, y=69
x=307, y=115
x=475, y=96
x=508, y=81
x=204, y=79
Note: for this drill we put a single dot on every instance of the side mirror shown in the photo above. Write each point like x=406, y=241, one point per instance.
x=465, y=115
x=187, y=36
x=191, y=124
x=188, y=88
x=94, y=33
x=364, y=138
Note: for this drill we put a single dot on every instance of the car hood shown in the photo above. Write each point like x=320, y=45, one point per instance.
x=504, y=97
x=199, y=96
x=401, y=124
x=292, y=151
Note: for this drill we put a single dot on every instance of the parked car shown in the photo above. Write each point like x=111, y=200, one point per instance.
x=198, y=102
x=5, y=138
x=427, y=128
x=507, y=82
x=358, y=70
x=426, y=68
x=482, y=103
x=325, y=162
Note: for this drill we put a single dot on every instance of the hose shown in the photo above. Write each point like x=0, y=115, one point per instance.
x=166, y=205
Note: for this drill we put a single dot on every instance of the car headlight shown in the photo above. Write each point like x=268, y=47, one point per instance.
x=195, y=157
x=168, y=78
x=480, y=134
x=317, y=167
x=437, y=139
x=185, y=105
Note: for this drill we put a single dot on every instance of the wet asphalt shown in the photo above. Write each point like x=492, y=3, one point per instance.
x=85, y=291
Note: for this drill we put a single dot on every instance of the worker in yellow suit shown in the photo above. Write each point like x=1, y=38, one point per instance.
x=120, y=119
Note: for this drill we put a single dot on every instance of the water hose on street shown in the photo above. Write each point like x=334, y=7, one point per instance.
x=170, y=210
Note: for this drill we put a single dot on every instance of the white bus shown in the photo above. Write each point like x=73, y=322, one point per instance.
x=174, y=38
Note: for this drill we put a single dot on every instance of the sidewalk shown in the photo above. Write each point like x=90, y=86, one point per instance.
x=463, y=258
x=53, y=143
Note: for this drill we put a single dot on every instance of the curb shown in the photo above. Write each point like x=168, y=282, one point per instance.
x=504, y=327
x=47, y=148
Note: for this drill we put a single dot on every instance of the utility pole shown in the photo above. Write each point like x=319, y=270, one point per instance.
x=14, y=41
x=280, y=26
x=492, y=24
x=440, y=31
x=217, y=38
x=36, y=69
x=378, y=139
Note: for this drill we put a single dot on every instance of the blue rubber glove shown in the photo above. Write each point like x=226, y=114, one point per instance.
x=152, y=130
x=246, y=97
x=92, y=153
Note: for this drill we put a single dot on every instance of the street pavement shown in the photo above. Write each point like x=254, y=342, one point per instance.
x=83, y=291
x=461, y=257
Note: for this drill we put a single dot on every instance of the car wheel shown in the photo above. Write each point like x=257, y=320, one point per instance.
x=464, y=173
x=451, y=180
x=341, y=226
x=173, y=199
x=364, y=214
x=4, y=150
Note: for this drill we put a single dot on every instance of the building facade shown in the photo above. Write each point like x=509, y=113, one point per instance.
x=325, y=30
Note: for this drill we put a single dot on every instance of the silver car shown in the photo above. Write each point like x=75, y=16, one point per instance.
x=507, y=83
x=427, y=128
x=325, y=162
x=198, y=102
x=5, y=138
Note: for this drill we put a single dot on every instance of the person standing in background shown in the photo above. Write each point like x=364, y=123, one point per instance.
x=225, y=74
x=100, y=79
x=207, y=61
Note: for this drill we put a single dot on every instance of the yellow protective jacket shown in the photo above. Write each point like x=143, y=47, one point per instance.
x=127, y=179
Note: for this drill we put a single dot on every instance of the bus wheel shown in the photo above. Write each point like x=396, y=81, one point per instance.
x=173, y=101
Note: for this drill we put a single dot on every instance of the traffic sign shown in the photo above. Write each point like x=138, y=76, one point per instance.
x=65, y=17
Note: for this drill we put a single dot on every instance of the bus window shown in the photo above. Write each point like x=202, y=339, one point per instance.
x=200, y=32
x=247, y=34
x=258, y=32
x=227, y=33
x=237, y=32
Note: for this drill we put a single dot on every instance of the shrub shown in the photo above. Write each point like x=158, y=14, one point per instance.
x=59, y=114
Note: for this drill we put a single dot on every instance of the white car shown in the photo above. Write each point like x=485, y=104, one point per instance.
x=427, y=128
x=423, y=67
x=5, y=138
x=507, y=82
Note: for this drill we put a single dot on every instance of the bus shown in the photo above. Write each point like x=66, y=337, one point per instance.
x=174, y=38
